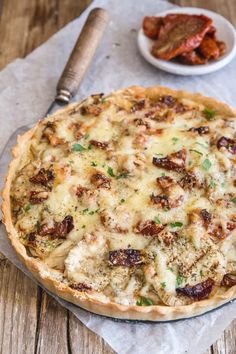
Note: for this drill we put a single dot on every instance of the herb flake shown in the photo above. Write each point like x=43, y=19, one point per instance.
x=144, y=301
x=206, y=165
x=110, y=171
x=27, y=207
x=176, y=224
x=179, y=280
x=209, y=113
x=78, y=147
x=157, y=220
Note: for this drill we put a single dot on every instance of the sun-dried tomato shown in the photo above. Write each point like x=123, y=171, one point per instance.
x=181, y=35
x=191, y=58
x=168, y=100
x=149, y=228
x=80, y=191
x=43, y=177
x=80, y=286
x=175, y=161
x=37, y=197
x=126, y=257
x=31, y=237
x=162, y=201
x=189, y=181
x=229, y=280
x=200, y=130
x=99, y=144
x=199, y=291
x=152, y=26
x=220, y=233
x=138, y=106
x=91, y=109
x=58, y=229
x=141, y=122
x=227, y=143
x=209, y=48
x=100, y=180
x=206, y=217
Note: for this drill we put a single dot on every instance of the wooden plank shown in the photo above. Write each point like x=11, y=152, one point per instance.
x=18, y=310
x=82, y=340
x=31, y=23
x=226, y=344
x=227, y=8
x=52, y=327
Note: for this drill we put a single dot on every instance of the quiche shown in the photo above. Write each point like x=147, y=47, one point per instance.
x=125, y=204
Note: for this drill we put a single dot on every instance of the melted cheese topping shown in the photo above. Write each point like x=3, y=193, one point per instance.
x=116, y=137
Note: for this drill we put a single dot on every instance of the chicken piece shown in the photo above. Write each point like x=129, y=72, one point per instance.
x=152, y=26
x=208, y=48
x=181, y=35
x=191, y=58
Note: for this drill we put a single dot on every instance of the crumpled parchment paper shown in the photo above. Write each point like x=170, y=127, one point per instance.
x=27, y=86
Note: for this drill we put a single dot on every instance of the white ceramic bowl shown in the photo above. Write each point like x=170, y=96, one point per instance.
x=225, y=32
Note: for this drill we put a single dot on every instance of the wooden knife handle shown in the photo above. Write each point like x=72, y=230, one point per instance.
x=81, y=55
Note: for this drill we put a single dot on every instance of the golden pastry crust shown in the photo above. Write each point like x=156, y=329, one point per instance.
x=91, y=300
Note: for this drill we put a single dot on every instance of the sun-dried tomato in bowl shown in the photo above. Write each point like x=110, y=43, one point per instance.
x=188, y=39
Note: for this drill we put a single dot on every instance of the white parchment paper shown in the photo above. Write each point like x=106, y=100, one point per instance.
x=27, y=86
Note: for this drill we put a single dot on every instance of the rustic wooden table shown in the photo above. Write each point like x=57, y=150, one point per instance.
x=30, y=320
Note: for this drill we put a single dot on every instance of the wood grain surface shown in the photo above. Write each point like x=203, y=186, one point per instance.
x=30, y=320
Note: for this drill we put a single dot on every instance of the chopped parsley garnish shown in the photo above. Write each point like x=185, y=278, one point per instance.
x=37, y=226
x=78, y=147
x=209, y=113
x=176, y=224
x=179, y=280
x=233, y=200
x=157, y=220
x=110, y=171
x=103, y=100
x=122, y=201
x=27, y=207
x=86, y=136
x=144, y=301
x=206, y=165
x=163, y=174
x=163, y=284
x=159, y=154
x=212, y=184
x=122, y=175
x=197, y=152
x=84, y=226
x=201, y=273
x=89, y=212
x=94, y=164
x=174, y=139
